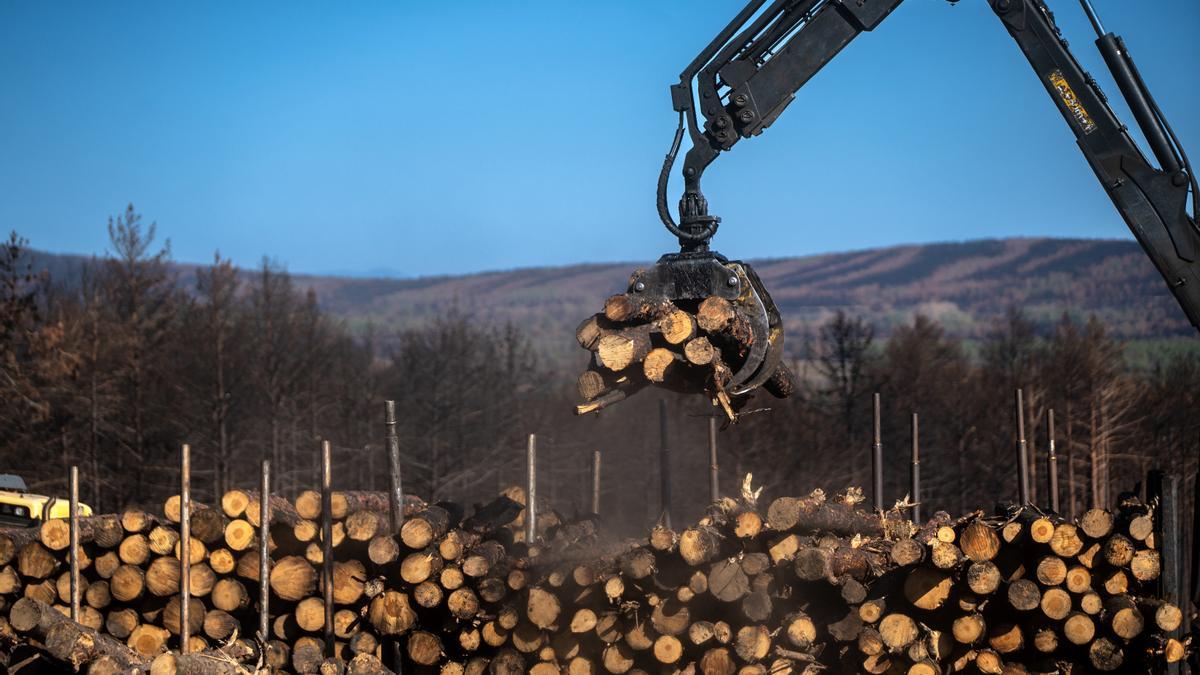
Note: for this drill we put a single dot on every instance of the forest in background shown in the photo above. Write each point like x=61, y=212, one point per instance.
x=113, y=370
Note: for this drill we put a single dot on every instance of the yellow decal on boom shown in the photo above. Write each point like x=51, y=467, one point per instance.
x=1071, y=102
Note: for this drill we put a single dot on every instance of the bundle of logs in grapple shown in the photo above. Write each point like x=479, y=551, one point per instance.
x=684, y=347
x=807, y=585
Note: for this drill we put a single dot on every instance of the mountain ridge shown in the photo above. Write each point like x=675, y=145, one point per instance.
x=963, y=284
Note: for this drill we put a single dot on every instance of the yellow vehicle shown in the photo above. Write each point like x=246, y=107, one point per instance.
x=21, y=508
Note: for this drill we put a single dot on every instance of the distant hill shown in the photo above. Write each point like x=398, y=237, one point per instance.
x=965, y=285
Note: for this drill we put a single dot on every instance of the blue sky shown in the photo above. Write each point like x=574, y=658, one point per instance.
x=422, y=138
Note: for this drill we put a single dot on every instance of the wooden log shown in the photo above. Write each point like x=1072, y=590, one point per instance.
x=542, y=608
x=293, y=578
x=1124, y=617
x=234, y=502
x=148, y=640
x=67, y=641
x=390, y=613
x=34, y=561
x=979, y=542
x=119, y=623
x=349, y=582
x=591, y=384
x=162, y=576
x=1051, y=570
x=128, y=583
x=699, y=351
x=383, y=550
x=1096, y=523
x=483, y=558
x=103, y=531
x=969, y=629
x=813, y=514
x=98, y=594
x=230, y=595
x=283, y=513
x=421, y=529
x=421, y=565
x=207, y=524
x=308, y=653
x=106, y=564
x=240, y=535
x=591, y=329
x=219, y=624
x=619, y=350
x=162, y=540
x=717, y=661
x=897, y=630
x=1024, y=595
x=718, y=316
x=927, y=588
x=1056, y=604
x=661, y=363
x=1079, y=629
x=366, y=525
x=134, y=550
x=698, y=545
x=171, y=615
x=1145, y=565
x=1105, y=655
x=983, y=578
x=1066, y=542
x=235, y=658
x=309, y=614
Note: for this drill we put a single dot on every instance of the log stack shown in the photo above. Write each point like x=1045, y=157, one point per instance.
x=808, y=584
x=688, y=347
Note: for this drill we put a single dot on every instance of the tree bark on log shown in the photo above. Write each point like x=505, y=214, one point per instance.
x=71, y=643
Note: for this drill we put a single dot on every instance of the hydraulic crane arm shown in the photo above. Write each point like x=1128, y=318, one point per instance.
x=750, y=72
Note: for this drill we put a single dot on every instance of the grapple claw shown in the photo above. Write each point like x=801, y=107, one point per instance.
x=687, y=279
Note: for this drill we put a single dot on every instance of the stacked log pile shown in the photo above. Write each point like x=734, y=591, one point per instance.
x=810, y=584
x=688, y=347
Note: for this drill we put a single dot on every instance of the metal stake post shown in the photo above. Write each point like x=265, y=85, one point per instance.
x=1052, y=460
x=877, y=456
x=531, y=490
x=264, y=553
x=74, y=524
x=664, y=463
x=916, y=470
x=1022, y=452
x=327, y=540
x=1168, y=527
x=714, y=472
x=185, y=547
x=596, y=482
x=395, y=491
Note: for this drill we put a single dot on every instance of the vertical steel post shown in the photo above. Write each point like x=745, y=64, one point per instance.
x=185, y=547
x=531, y=490
x=264, y=553
x=73, y=520
x=664, y=463
x=327, y=540
x=1168, y=526
x=1022, y=451
x=714, y=471
x=916, y=470
x=877, y=455
x=1194, y=549
x=596, y=482
x=395, y=487
x=1052, y=460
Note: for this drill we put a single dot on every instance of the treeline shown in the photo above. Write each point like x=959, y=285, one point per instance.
x=114, y=369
